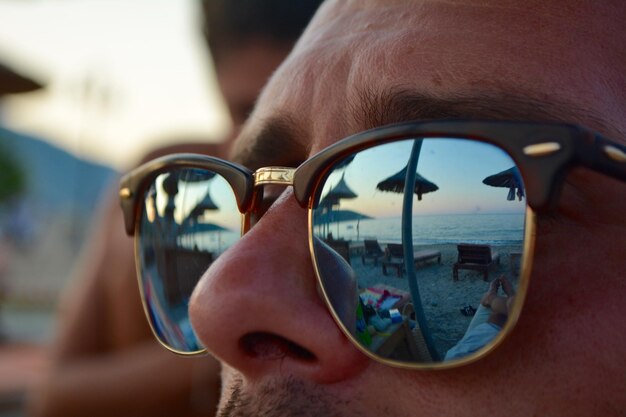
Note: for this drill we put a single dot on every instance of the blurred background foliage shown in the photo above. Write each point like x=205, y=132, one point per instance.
x=12, y=176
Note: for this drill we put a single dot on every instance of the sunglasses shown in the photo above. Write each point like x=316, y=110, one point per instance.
x=421, y=234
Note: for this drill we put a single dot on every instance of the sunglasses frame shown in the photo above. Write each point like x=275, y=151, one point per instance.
x=543, y=153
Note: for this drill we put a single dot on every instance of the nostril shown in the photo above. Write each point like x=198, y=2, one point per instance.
x=267, y=346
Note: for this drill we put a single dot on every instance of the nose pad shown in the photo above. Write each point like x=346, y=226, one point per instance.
x=258, y=310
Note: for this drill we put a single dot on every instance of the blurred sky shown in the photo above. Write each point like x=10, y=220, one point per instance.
x=121, y=75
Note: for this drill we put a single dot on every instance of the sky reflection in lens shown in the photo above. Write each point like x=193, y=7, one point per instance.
x=456, y=166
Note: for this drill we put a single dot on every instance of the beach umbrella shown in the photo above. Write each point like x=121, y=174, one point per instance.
x=202, y=228
x=339, y=192
x=509, y=178
x=338, y=216
x=170, y=187
x=205, y=204
x=12, y=82
x=395, y=184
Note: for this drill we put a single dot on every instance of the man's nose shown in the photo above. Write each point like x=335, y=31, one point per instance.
x=258, y=308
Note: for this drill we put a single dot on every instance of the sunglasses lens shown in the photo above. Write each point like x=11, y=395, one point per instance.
x=406, y=234
x=189, y=218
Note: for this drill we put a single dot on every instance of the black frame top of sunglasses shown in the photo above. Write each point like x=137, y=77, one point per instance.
x=544, y=153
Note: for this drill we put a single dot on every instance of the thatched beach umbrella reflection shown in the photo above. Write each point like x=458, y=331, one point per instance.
x=510, y=179
x=12, y=82
x=395, y=184
x=204, y=228
x=170, y=186
x=206, y=204
x=340, y=216
x=192, y=222
x=340, y=191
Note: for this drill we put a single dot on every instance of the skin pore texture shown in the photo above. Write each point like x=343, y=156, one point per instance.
x=362, y=64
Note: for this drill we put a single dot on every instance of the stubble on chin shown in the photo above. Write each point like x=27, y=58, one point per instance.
x=282, y=397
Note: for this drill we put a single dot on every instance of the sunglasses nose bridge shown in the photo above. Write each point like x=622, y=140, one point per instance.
x=274, y=176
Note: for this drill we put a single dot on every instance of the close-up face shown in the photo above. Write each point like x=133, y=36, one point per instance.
x=361, y=65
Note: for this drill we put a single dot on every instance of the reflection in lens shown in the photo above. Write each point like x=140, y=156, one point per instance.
x=439, y=286
x=190, y=217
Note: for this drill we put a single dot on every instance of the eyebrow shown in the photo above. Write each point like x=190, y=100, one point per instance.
x=283, y=141
x=373, y=108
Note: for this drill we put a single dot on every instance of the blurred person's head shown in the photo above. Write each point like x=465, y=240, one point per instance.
x=248, y=39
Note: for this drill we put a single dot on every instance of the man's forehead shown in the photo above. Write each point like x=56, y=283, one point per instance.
x=345, y=76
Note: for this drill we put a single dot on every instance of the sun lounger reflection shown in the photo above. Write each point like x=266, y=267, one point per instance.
x=394, y=258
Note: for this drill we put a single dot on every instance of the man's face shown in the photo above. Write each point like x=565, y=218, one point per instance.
x=362, y=64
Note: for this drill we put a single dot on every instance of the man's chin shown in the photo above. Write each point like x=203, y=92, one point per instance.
x=281, y=396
